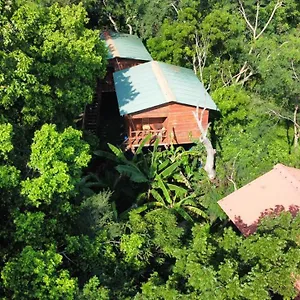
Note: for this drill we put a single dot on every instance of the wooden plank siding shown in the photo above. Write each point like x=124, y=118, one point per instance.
x=124, y=63
x=180, y=123
x=116, y=64
x=183, y=123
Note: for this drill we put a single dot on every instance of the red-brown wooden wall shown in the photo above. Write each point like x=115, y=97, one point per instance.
x=114, y=65
x=180, y=122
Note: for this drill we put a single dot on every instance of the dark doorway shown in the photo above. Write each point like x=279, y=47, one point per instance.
x=110, y=122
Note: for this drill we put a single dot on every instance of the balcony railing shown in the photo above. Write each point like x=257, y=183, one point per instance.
x=137, y=136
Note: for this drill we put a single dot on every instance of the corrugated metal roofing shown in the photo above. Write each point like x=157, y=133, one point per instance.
x=125, y=46
x=156, y=83
x=273, y=192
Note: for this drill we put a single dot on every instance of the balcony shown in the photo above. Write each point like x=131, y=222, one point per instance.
x=135, y=137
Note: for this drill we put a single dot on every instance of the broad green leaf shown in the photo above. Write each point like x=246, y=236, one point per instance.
x=107, y=155
x=141, y=146
x=197, y=211
x=184, y=214
x=180, y=191
x=162, y=186
x=157, y=196
x=118, y=152
x=147, y=206
x=169, y=170
x=163, y=165
x=133, y=173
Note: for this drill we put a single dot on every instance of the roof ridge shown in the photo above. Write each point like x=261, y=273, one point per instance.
x=111, y=44
x=162, y=82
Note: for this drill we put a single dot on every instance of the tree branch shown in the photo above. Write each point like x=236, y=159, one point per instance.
x=199, y=60
x=68, y=258
x=110, y=17
x=128, y=25
x=284, y=117
x=254, y=28
x=294, y=71
x=113, y=23
x=242, y=70
x=296, y=128
x=246, y=18
x=256, y=16
x=245, y=78
x=277, y=5
x=175, y=8
x=232, y=173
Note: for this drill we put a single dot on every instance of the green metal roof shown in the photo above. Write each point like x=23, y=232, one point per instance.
x=156, y=83
x=125, y=46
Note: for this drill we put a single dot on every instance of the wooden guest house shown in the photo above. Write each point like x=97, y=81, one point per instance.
x=160, y=99
x=102, y=117
x=153, y=97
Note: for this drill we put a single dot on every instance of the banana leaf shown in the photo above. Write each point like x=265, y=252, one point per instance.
x=118, y=152
x=157, y=196
x=162, y=186
x=141, y=146
x=197, y=211
x=107, y=155
x=177, y=189
x=169, y=170
x=133, y=173
x=184, y=214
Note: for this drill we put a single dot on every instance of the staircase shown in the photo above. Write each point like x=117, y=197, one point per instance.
x=91, y=116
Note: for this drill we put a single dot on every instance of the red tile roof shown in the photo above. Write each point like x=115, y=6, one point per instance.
x=273, y=192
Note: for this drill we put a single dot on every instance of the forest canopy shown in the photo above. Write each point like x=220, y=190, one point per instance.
x=80, y=220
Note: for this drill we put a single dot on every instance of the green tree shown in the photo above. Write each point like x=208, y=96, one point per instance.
x=38, y=213
x=9, y=175
x=208, y=42
x=92, y=291
x=49, y=62
x=232, y=267
x=9, y=187
x=36, y=275
x=152, y=237
x=141, y=17
x=58, y=159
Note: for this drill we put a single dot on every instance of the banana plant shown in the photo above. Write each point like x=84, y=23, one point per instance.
x=89, y=183
x=141, y=168
x=170, y=196
x=166, y=177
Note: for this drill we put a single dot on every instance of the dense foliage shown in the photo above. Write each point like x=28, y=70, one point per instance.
x=78, y=222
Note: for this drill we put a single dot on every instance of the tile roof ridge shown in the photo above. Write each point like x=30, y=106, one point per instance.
x=162, y=82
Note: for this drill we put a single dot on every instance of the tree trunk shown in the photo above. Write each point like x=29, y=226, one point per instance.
x=210, y=151
x=296, y=129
